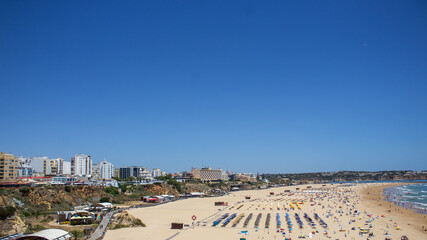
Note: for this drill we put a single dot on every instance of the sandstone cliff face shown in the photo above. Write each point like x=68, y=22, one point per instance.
x=163, y=189
x=12, y=224
x=196, y=187
x=124, y=219
x=36, y=200
x=18, y=225
x=47, y=197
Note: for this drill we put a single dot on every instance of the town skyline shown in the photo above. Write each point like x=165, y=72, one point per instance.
x=284, y=86
x=81, y=170
x=147, y=165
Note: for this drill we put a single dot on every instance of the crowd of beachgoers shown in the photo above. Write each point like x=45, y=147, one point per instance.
x=294, y=212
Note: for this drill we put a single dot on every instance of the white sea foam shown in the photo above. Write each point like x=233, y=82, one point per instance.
x=411, y=196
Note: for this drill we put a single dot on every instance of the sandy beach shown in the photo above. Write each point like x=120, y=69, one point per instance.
x=324, y=211
x=411, y=221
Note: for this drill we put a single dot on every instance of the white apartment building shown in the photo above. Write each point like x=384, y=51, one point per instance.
x=45, y=166
x=24, y=167
x=156, y=172
x=66, y=168
x=40, y=165
x=103, y=170
x=106, y=170
x=81, y=164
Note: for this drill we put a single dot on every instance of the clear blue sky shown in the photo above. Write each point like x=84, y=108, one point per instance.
x=259, y=86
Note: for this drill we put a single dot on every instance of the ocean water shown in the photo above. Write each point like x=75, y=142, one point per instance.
x=412, y=196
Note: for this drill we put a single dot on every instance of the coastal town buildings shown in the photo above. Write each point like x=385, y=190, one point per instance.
x=96, y=170
x=156, y=172
x=126, y=172
x=25, y=170
x=103, y=170
x=58, y=166
x=183, y=176
x=187, y=175
x=53, y=167
x=244, y=178
x=146, y=175
x=196, y=173
x=81, y=164
x=138, y=172
x=132, y=171
x=40, y=165
x=106, y=170
x=208, y=174
x=8, y=166
x=66, y=168
x=24, y=167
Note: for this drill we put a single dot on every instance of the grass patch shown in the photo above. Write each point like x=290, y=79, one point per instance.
x=118, y=226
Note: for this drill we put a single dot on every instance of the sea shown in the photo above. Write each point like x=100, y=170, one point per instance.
x=413, y=196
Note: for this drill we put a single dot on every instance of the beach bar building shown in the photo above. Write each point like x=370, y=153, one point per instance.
x=75, y=217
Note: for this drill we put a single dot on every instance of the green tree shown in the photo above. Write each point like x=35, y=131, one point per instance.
x=67, y=188
x=24, y=191
x=6, y=212
x=130, y=179
x=123, y=187
x=76, y=234
x=112, y=190
x=171, y=181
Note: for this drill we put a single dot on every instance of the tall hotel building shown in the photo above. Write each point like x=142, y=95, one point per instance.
x=107, y=170
x=103, y=170
x=133, y=171
x=208, y=174
x=8, y=166
x=81, y=164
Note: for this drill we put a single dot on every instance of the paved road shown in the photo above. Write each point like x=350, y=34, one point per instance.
x=101, y=229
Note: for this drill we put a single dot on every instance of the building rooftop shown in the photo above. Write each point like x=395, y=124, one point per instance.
x=49, y=234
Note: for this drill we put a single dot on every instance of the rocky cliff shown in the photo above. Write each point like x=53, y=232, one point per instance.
x=125, y=219
x=20, y=206
x=58, y=197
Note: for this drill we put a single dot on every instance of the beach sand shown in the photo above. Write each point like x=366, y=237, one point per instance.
x=411, y=222
x=334, y=204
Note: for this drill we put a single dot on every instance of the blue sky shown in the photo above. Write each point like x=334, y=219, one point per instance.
x=250, y=86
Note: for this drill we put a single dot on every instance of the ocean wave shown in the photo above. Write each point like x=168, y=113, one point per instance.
x=409, y=196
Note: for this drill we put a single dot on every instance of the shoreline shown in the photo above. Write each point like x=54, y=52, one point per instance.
x=372, y=197
x=345, y=209
x=410, y=206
